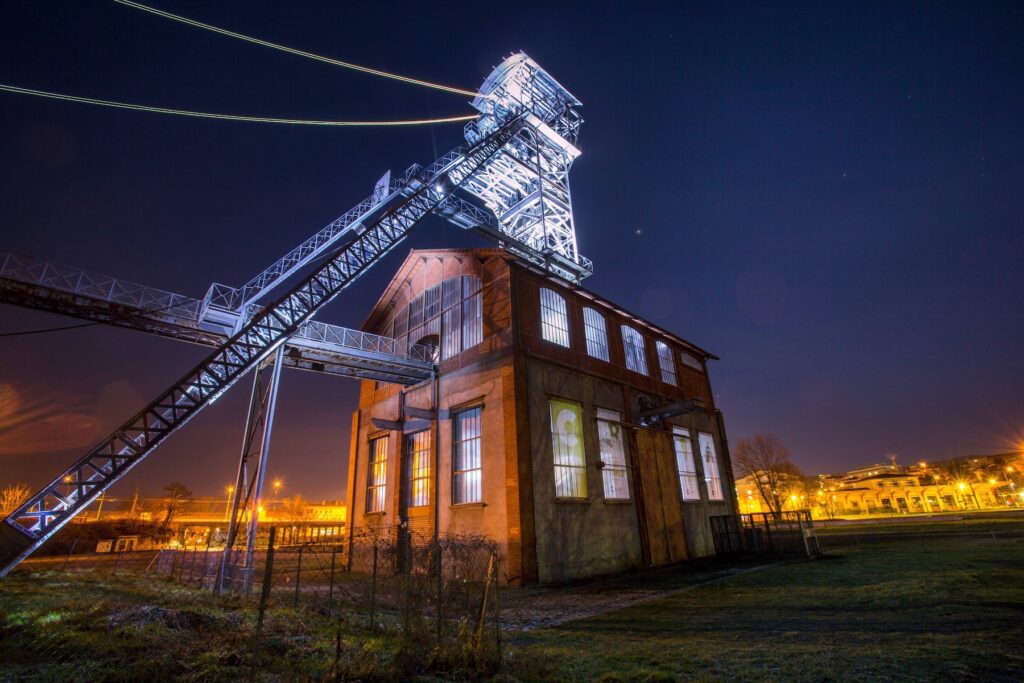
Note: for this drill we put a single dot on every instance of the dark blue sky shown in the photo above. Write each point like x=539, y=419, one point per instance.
x=828, y=197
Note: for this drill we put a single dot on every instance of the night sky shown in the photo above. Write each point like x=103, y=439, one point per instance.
x=829, y=196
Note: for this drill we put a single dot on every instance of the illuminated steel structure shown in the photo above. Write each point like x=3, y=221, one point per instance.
x=516, y=163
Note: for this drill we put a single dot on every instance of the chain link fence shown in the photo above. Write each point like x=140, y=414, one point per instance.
x=439, y=597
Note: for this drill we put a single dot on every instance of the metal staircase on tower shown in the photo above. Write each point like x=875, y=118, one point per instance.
x=516, y=163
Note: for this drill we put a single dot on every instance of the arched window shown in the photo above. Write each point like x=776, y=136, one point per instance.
x=449, y=315
x=596, y=333
x=666, y=363
x=554, y=321
x=633, y=346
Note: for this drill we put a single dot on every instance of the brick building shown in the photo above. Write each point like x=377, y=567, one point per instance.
x=542, y=387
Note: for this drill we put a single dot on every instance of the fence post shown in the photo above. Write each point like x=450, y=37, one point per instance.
x=206, y=559
x=373, y=590
x=479, y=631
x=334, y=561
x=117, y=560
x=68, y=558
x=298, y=578
x=497, y=607
x=268, y=575
x=192, y=567
x=438, y=568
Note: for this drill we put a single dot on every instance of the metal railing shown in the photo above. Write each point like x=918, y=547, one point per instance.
x=33, y=271
x=765, y=533
x=362, y=341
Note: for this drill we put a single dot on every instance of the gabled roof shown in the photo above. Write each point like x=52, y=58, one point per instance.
x=405, y=270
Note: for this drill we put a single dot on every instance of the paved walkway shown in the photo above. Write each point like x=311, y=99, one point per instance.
x=525, y=609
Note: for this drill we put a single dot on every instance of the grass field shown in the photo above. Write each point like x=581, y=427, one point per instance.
x=912, y=608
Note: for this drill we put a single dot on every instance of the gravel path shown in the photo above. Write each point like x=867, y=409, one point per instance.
x=543, y=607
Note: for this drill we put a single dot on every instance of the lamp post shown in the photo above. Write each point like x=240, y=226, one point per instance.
x=277, y=489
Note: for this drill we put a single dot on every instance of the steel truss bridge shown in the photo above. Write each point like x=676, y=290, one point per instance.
x=514, y=170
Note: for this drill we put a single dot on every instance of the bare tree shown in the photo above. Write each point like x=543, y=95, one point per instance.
x=174, y=495
x=12, y=496
x=766, y=462
x=297, y=509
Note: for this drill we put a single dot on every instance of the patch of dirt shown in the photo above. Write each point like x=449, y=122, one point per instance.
x=141, y=616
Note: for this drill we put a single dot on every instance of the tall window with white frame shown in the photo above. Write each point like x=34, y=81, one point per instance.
x=596, y=333
x=635, y=350
x=709, y=458
x=613, y=455
x=554, y=320
x=567, y=449
x=666, y=363
x=418, y=469
x=377, y=475
x=684, y=464
x=467, y=485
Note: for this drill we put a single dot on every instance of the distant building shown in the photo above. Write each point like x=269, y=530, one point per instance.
x=971, y=483
x=582, y=439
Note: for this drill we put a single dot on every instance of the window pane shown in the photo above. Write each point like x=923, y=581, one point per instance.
x=633, y=346
x=432, y=302
x=472, y=323
x=666, y=363
x=685, y=465
x=416, y=312
x=466, y=460
x=418, y=469
x=596, y=334
x=450, y=324
x=709, y=459
x=554, y=322
x=613, y=455
x=567, y=450
x=376, y=476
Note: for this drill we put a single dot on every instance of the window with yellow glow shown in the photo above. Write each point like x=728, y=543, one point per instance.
x=567, y=449
x=376, y=479
x=419, y=469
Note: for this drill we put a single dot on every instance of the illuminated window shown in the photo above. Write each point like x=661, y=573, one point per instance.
x=466, y=465
x=636, y=354
x=451, y=317
x=613, y=455
x=596, y=334
x=709, y=458
x=554, y=322
x=376, y=478
x=472, y=312
x=685, y=465
x=450, y=311
x=418, y=468
x=567, y=450
x=665, y=363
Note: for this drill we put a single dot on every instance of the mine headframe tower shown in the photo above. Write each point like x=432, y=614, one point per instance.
x=516, y=163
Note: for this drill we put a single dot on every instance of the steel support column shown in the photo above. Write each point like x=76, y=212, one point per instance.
x=248, y=492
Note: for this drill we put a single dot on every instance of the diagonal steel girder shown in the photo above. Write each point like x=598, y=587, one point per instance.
x=49, y=509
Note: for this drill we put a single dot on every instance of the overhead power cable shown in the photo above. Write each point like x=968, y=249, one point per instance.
x=227, y=117
x=300, y=53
